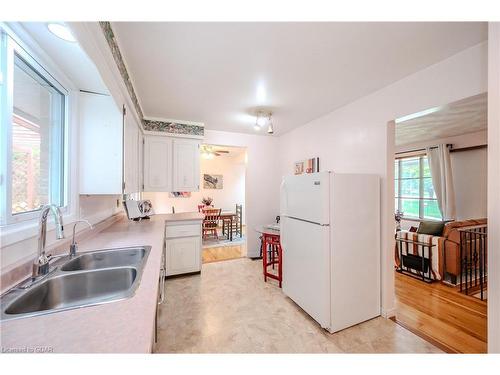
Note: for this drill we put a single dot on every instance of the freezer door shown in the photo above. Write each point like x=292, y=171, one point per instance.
x=306, y=267
x=306, y=197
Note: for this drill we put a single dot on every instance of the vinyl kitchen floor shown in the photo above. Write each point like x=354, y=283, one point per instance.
x=229, y=309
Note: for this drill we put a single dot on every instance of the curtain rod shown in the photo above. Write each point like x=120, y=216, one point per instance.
x=449, y=145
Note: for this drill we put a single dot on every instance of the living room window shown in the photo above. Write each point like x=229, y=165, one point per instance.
x=414, y=192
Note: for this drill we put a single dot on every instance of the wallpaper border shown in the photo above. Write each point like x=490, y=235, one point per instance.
x=149, y=125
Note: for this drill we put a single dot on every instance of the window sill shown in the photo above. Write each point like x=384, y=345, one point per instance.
x=17, y=232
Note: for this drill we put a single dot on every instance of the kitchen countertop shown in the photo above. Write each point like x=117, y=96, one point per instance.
x=125, y=326
x=184, y=216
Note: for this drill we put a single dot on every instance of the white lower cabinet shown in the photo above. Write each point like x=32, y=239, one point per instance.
x=183, y=248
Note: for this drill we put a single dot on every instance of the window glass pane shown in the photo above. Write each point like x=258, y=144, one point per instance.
x=37, y=140
x=429, y=188
x=396, y=205
x=427, y=170
x=410, y=188
x=396, y=188
x=410, y=207
x=431, y=209
x=396, y=169
x=410, y=168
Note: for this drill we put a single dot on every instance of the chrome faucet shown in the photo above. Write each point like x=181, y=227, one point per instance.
x=74, y=247
x=41, y=264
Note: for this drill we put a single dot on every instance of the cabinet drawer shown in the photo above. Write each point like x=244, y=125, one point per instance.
x=185, y=230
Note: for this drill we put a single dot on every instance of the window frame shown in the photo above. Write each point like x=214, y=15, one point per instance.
x=421, y=194
x=10, y=45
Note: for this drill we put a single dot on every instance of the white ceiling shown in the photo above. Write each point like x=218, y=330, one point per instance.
x=469, y=115
x=68, y=56
x=217, y=73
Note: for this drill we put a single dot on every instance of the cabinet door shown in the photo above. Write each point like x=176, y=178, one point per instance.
x=157, y=163
x=101, y=148
x=131, y=154
x=183, y=255
x=186, y=165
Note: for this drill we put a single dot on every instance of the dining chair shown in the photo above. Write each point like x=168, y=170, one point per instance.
x=237, y=222
x=210, y=222
x=201, y=207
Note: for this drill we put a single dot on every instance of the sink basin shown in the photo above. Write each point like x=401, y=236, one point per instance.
x=91, y=278
x=106, y=259
x=76, y=289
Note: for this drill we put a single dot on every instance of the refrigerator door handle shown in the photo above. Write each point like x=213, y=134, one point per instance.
x=284, y=198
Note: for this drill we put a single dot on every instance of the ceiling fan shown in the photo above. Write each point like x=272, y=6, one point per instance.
x=208, y=152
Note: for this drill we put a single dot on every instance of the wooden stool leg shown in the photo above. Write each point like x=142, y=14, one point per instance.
x=280, y=264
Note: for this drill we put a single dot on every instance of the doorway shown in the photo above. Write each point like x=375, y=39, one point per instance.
x=440, y=201
x=222, y=199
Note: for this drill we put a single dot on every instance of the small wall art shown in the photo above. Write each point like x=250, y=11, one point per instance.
x=307, y=166
x=213, y=181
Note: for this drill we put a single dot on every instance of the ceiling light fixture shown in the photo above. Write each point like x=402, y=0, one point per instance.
x=61, y=31
x=262, y=119
x=270, y=129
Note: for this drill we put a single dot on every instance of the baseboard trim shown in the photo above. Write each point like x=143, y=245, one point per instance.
x=440, y=345
x=388, y=313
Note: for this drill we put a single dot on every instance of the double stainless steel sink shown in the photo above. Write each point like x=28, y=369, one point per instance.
x=88, y=279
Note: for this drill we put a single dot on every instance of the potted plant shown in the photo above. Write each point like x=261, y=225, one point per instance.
x=207, y=201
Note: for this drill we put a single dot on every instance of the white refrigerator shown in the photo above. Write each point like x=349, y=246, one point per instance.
x=330, y=235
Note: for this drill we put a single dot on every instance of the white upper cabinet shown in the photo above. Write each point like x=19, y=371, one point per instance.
x=157, y=163
x=171, y=164
x=186, y=171
x=132, y=143
x=101, y=145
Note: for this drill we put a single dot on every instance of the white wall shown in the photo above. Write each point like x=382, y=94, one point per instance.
x=470, y=169
x=232, y=167
x=494, y=187
x=354, y=138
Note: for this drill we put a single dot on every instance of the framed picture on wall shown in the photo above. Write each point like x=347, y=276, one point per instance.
x=299, y=167
x=212, y=181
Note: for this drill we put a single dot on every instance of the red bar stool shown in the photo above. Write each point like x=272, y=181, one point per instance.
x=272, y=241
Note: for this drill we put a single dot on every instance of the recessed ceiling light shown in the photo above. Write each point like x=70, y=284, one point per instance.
x=61, y=31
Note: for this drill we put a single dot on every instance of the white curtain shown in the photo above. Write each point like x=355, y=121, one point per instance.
x=442, y=179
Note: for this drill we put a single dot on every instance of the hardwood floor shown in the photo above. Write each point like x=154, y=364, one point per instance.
x=440, y=314
x=216, y=254
x=225, y=252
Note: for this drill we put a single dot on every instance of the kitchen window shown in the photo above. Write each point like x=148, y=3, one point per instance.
x=414, y=192
x=33, y=135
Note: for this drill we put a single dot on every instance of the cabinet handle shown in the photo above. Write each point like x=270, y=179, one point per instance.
x=162, y=287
